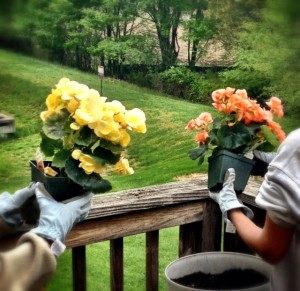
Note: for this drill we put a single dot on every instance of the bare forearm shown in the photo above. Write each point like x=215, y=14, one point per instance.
x=248, y=231
x=270, y=242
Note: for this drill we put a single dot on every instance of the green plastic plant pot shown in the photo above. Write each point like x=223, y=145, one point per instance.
x=220, y=162
x=60, y=188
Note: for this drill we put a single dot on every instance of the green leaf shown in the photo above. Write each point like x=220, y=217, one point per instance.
x=103, y=156
x=86, y=137
x=217, y=123
x=201, y=160
x=213, y=137
x=49, y=146
x=232, y=137
x=93, y=182
x=116, y=148
x=198, y=152
x=60, y=158
x=254, y=127
x=267, y=147
x=55, y=126
x=270, y=136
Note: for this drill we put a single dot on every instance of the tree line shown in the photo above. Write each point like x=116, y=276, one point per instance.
x=84, y=33
x=140, y=40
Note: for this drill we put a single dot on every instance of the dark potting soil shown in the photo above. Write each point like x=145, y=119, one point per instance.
x=228, y=280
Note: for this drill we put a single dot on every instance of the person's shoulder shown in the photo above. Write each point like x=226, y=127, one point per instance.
x=294, y=134
x=292, y=140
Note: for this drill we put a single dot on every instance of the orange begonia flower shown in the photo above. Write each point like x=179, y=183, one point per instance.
x=276, y=129
x=201, y=137
x=276, y=106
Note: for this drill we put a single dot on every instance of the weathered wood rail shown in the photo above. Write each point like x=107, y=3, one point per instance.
x=147, y=210
x=7, y=124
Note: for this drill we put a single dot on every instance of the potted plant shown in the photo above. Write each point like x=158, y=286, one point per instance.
x=218, y=271
x=240, y=126
x=84, y=136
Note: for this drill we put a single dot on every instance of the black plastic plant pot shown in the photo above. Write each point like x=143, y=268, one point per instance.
x=220, y=162
x=260, y=167
x=60, y=188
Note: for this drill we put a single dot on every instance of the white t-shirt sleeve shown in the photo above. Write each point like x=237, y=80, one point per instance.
x=279, y=194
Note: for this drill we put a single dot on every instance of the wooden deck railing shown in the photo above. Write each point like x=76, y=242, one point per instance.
x=147, y=210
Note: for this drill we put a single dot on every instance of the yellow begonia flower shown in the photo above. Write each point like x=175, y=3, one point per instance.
x=50, y=172
x=141, y=128
x=67, y=89
x=106, y=124
x=120, y=118
x=122, y=167
x=53, y=101
x=115, y=106
x=74, y=126
x=72, y=105
x=44, y=115
x=87, y=163
x=135, y=118
x=94, y=93
x=82, y=92
x=124, y=139
x=76, y=154
x=62, y=82
x=90, y=110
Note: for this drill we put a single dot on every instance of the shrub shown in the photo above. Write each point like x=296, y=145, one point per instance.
x=189, y=85
x=197, y=86
x=256, y=83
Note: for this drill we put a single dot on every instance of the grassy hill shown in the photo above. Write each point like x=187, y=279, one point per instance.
x=157, y=157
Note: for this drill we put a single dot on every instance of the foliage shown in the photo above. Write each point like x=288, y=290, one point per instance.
x=241, y=126
x=266, y=56
x=199, y=29
x=113, y=33
x=257, y=83
x=189, y=85
x=84, y=134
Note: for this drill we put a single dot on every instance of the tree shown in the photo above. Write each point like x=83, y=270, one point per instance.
x=166, y=15
x=115, y=40
x=200, y=28
x=217, y=22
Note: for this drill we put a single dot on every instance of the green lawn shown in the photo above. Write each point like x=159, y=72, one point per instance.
x=157, y=157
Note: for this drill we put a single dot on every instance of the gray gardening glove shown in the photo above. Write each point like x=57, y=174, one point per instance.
x=58, y=218
x=264, y=156
x=227, y=199
x=17, y=209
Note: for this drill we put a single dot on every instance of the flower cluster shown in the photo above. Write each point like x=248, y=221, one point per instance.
x=242, y=125
x=85, y=133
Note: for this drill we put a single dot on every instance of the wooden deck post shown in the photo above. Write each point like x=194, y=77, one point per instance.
x=79, y=268
x=117, y=264
x=152, y=240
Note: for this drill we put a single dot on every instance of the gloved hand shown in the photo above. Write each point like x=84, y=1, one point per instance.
x=227, y=198
x=57, y=218
x=264, y=156
x=262, y=161
x=13, y=208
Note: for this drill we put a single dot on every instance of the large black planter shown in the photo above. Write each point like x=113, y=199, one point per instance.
x=218, y=271
x=220, y=162
x=60, y=188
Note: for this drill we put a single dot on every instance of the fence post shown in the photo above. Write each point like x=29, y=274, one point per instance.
x=79, y=268
x=152, y=251
x=117, y=264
